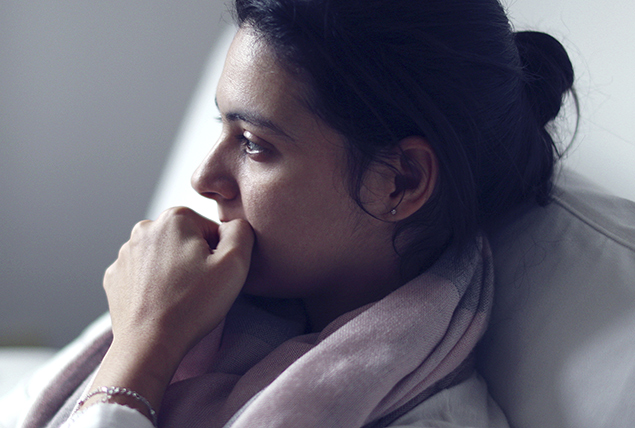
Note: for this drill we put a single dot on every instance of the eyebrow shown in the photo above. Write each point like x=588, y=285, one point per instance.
x=255, y=120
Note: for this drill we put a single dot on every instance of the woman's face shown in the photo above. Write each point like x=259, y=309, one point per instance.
x=282, y=169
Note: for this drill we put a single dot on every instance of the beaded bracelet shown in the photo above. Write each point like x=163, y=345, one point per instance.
x=110, y=391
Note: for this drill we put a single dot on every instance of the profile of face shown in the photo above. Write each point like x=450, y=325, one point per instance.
x=281, y=168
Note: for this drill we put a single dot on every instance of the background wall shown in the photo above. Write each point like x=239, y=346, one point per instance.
x=91, y=98
x=600, y=40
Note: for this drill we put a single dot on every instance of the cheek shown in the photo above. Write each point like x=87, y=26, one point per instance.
x=287, y=213
x=292, y=200
x=303, y=227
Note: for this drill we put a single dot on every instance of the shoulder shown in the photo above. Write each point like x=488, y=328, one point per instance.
x=467, y=404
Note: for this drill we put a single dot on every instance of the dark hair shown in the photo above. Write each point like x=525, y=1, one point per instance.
x=452, y=71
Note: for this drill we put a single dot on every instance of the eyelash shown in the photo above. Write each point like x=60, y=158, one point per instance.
x=246, y=142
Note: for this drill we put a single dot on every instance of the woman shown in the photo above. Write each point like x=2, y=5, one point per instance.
x=365, y=145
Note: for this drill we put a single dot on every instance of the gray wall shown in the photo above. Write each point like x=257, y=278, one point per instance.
x=91, y=96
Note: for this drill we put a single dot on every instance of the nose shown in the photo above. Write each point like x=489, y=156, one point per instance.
x=214, y=177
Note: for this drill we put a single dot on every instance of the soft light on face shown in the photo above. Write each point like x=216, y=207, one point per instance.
x=283, y=170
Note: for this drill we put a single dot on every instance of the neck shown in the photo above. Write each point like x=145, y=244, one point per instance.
x=347, y=296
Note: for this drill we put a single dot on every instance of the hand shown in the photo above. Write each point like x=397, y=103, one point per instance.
x=176, y=278
x=174, y=282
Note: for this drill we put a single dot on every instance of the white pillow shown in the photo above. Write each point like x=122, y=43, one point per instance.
x=560, y=351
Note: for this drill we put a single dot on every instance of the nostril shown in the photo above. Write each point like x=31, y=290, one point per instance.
x=212, y=195
x=220, y=189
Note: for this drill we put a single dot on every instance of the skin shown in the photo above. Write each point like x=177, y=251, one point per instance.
x=289, y=228
x=312, y=241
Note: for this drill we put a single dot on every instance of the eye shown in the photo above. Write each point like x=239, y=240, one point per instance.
x=252, y=148
x=256, y=150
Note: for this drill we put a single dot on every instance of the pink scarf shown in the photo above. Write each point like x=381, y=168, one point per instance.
x=367, y=368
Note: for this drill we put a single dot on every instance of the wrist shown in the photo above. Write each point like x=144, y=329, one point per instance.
x=120, y=396
x=147, y=370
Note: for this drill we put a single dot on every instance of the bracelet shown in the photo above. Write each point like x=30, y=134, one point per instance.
x=110, y=391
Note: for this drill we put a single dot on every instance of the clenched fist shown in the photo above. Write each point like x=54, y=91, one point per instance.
x=173, y=282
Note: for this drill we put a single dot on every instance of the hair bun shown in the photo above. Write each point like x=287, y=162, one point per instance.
x=548, y=72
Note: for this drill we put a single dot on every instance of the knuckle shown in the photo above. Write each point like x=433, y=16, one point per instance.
x=174, y=216
x=122, y=251
x=107, y=276
x=139, y=227
x=175, y=212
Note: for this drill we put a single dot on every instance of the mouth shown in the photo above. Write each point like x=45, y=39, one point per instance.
x=225, y=216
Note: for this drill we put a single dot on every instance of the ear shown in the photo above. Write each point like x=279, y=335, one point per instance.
x=416, y=171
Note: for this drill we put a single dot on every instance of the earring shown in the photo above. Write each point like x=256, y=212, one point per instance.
x=393, y=211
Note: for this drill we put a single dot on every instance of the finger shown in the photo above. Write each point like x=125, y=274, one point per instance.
x=207, y=227
x=137, y=228
x=230, y=260
x=236, y=241
x=195, y=222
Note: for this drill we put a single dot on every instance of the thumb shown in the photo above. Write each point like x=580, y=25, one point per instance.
x=236, y=241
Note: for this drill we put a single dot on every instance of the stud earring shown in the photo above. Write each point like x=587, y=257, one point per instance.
x=393, y=211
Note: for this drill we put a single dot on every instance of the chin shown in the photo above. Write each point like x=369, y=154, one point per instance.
x=264, y=283
x=260, y=287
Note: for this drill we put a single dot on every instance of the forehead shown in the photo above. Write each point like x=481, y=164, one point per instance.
x=253, y=78
x=255, y=84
